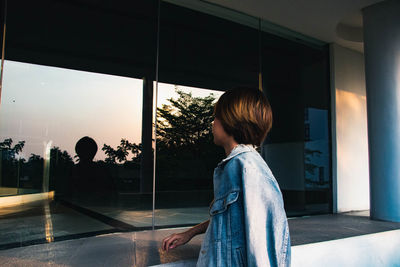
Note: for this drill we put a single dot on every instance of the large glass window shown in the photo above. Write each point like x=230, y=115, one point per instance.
x=71, y=117
x=186, y=154
x=78, y=111
x=205, y=55
x=297, y=149
x=72, y=132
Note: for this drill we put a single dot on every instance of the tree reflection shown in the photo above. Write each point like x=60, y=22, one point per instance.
x=186, y=154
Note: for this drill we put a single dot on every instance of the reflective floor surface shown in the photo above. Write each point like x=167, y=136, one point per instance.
x=118, y=249
x=48, y=221
x=43, y=221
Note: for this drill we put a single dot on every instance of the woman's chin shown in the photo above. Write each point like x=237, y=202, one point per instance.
x=216, y=142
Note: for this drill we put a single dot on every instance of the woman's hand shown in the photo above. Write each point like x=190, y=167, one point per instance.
x=176, y=240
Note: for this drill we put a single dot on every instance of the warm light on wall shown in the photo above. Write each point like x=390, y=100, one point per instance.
x=352, y=151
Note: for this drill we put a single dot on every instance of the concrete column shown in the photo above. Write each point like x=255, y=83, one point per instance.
x=382, y=71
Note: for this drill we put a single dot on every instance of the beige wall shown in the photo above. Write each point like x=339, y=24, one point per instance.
x=351, y=186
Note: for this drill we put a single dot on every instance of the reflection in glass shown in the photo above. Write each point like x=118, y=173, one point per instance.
x=298, y=147
x=186, y=154
x=316, y=149
x=197, y=50
x=317, y=160
x=45, y=114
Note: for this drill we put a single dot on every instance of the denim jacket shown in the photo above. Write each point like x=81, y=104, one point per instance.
x=248, y=224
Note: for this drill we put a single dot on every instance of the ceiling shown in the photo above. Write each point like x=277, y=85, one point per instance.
x=331, y=21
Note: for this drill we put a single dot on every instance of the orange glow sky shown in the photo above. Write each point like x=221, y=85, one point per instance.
x=43, y=104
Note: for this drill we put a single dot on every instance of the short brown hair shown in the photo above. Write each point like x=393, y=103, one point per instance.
x=245, y=114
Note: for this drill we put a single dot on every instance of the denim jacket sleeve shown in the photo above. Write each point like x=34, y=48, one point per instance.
x=265, y=219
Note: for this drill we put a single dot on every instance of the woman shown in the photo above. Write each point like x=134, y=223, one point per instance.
x=248, y=224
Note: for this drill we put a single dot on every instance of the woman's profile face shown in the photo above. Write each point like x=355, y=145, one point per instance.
x=220, y=136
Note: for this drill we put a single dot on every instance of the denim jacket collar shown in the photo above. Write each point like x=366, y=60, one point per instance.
x=239, y=149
